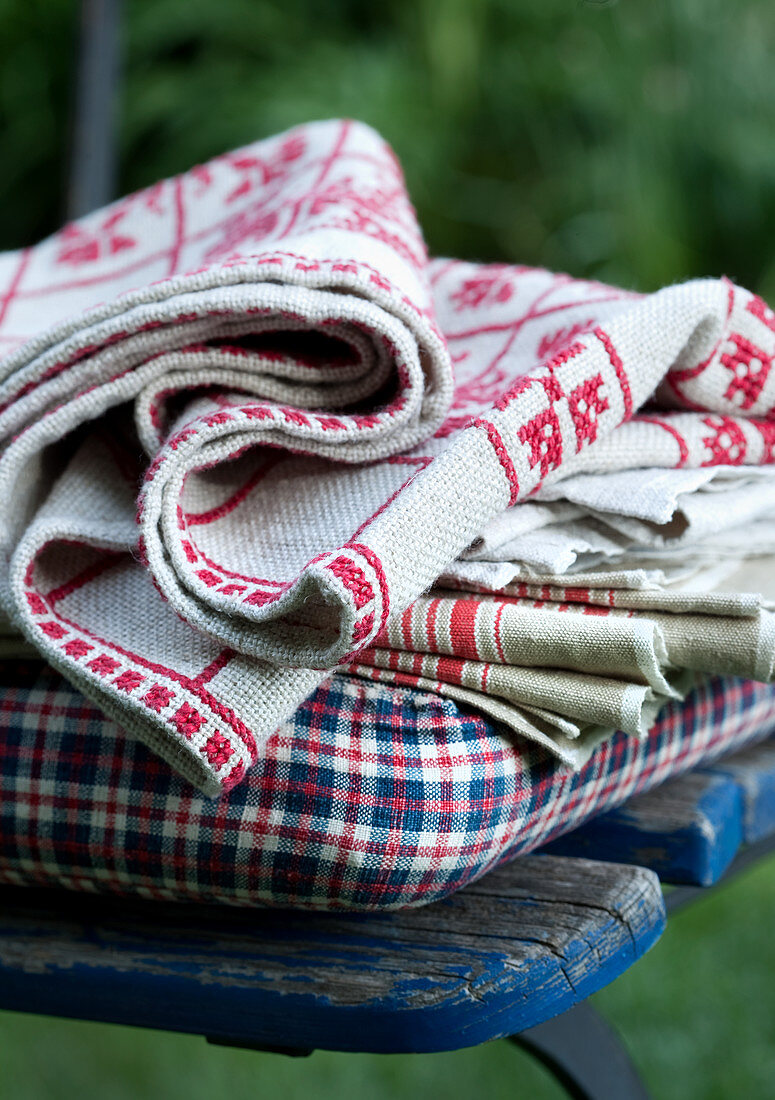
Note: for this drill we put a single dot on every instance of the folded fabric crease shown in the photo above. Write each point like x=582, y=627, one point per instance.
x=245, y=423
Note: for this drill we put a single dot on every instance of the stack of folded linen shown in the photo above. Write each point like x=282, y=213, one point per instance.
x=661, y=573
x=251, y=434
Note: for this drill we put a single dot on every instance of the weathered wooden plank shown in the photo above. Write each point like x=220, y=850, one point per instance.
x=523, y=944
x=688, y=830
x=753, y=770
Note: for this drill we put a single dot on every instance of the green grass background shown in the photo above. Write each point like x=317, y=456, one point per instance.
x=632, y=142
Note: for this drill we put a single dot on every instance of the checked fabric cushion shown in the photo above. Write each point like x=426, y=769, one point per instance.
x=370, y=797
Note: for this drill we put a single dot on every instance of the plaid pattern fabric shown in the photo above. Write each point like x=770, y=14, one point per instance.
x=370, y=797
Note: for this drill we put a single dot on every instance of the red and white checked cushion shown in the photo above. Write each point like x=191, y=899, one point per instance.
x=370, y=798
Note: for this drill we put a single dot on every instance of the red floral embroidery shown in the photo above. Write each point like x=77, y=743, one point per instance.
x=486, y=289
x=544, y=435
x=554, y=342
x=586, y=404
x=376, y=212
x=251, y=225
x=258, y=171
x=727, y=444
x=81, y=245
x=217, y=749
x=749, y=366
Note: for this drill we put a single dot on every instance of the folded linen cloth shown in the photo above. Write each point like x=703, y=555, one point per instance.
x=672, y=516
x=262, y=336
x=564, y=674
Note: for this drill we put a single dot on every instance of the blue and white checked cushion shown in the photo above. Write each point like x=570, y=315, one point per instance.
x=371, y=797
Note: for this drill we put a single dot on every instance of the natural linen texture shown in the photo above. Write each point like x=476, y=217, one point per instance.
x=565, y=674
x=236, y=442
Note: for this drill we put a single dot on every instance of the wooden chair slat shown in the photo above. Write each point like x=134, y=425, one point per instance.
x=753, y=770
x=690, y=829
x=687, y=831
x=526, y=943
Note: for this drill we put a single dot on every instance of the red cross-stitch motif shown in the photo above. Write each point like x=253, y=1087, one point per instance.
x=189, y=551
x=217, y=749
x=103, y=665
x=234, y=777
x=354, y=578
x=129, y=680
x=544, y=435
x=585, y=405
x=158, y=697
x=759, y=308
x=362, y=629
x=493, y=287
x=727, y=444
x=550, y=383
x=749, y=366
x=54, y=630
x=187, y=720
x=76, y=647
x=258, y=598
x=766, y=430
x=557, y=341
x=38, y=605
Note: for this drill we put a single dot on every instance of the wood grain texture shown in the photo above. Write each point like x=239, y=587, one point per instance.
x=523, y=944
x=753, y=770
x=691, y=828
x=687, y=831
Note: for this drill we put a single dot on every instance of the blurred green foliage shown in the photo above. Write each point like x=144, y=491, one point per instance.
x=627, y=141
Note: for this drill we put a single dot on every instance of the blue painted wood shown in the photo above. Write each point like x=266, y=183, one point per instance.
x=688, y=830
x=753, y=770
x=525, y=943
